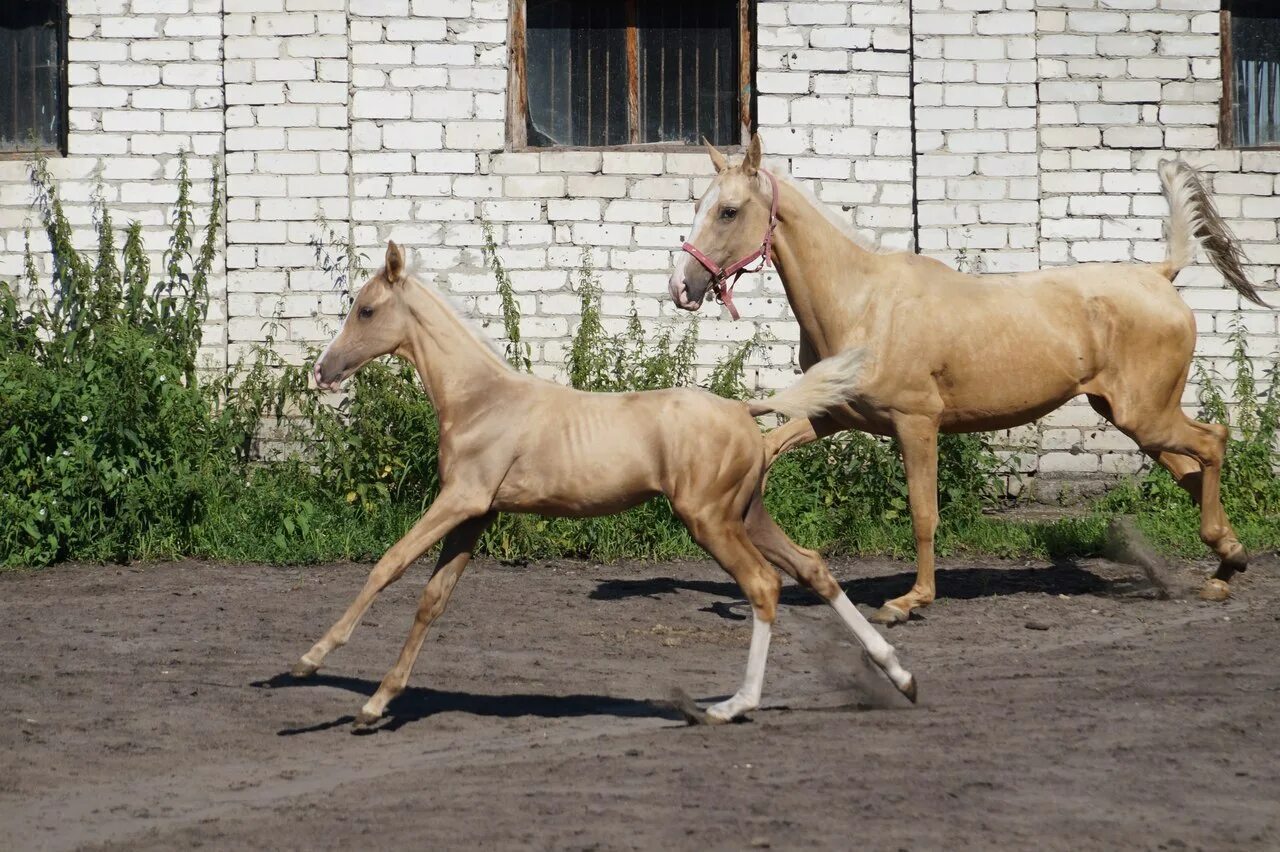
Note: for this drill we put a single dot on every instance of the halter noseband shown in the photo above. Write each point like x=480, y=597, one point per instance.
x=720, y=283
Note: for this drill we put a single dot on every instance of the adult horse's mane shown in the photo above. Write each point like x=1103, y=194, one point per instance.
x=846, y=228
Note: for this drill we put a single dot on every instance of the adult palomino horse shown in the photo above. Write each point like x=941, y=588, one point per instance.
x=967, y=353
x=510, y=442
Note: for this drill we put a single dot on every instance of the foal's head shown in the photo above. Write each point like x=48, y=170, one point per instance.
x=731, y=220
x=376, y=325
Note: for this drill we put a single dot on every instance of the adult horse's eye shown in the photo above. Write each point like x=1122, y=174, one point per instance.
x=728, y=213
x=366, y=312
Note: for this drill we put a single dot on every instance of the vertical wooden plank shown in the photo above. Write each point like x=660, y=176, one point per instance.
x=9, y=90
x=30, y=138
x=63, y=97
x=699, y=86
x=745, y=54
x=1226, y=112
x=633, y=72
x=517, y=82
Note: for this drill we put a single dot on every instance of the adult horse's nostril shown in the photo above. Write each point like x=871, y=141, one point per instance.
x=677, y=287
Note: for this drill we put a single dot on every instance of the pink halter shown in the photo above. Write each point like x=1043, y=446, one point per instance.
x=720, y=283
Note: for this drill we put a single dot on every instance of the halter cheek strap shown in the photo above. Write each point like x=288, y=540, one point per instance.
x=720, y=283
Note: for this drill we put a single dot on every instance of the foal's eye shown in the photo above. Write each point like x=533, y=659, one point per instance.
x=366, y=312
x=728, y=213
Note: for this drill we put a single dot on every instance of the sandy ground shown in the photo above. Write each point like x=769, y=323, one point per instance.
x=1062, y=707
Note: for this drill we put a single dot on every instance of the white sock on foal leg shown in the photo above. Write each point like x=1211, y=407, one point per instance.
x=879, y=649
x=748, y=697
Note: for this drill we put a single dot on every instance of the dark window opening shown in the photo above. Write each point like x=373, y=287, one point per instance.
x=601, y=73
x=33, y=114
x=1251, y=73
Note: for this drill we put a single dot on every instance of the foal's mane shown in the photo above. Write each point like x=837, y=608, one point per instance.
x=846, y=228
x=450, y=304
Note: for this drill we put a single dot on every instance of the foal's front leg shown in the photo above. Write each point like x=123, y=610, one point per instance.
x=454, y=556
x=726, y=540
x=450, y=509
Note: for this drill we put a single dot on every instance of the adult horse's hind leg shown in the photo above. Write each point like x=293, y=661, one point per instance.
x=1217, y=532
x=448, y=510
x=1193, y=453
x=808, y=569
x=724, y=537
x=455, y=553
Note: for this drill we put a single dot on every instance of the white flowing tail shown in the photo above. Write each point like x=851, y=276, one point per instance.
x=828, y=383
x=1194, y=222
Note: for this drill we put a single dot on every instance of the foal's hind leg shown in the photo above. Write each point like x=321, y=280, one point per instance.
x=445, y=513
x=455, y=553
x=724, y=537
x=808, y=569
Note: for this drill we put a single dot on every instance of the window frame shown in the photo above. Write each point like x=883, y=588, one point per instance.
x=518, y=90
x=1226, y=107
x=59, y=148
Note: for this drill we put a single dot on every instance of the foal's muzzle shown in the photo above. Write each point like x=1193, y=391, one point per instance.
x=327, y=379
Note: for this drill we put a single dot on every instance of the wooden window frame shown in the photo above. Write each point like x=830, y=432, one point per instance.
x=59, y=148
x=1226, y=107
x=518, y=91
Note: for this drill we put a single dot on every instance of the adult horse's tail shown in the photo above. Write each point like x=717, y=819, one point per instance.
x=828, y=383
x=1194, y=222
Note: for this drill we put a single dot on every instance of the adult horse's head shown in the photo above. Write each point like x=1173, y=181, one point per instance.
x=732, y=227
x=376, y=325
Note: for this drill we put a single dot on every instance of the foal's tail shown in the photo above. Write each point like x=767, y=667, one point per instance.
x=828, y=383
x=1194, y=222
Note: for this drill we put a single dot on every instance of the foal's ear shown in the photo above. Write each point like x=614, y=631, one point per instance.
x=755, y=152
x=395, y=263
x=720, y=161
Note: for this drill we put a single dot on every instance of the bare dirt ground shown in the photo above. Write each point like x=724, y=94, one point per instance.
x=1061, y=708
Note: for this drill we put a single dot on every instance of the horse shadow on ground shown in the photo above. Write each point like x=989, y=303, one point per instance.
x=417, y=703
x=1063, y=577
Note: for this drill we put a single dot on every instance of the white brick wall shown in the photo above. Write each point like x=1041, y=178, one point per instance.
x=145, y=84
x=1037, y=127
x=1124, y=85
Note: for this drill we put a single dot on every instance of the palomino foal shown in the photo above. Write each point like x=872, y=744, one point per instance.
x=576, y=454
x=969, y=353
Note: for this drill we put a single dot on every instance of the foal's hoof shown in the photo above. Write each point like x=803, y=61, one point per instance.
x=910, y=689
x=890, y=615
x=689, y=709
x=1215, y=590
x=303, y=669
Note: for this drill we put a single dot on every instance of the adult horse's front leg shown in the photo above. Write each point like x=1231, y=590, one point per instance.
x=455, y=553
x=918, y=438
x=449, y=510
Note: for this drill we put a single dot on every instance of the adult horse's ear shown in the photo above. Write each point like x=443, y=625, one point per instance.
x=395, y=263
x=720, y=161
x=755, y=153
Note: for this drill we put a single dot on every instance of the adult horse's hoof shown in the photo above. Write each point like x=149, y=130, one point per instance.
x=1215, y=590
x=365, y=721
x=303, y=669
x=1235, y=562
x=890, y=615
x=910, y=689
